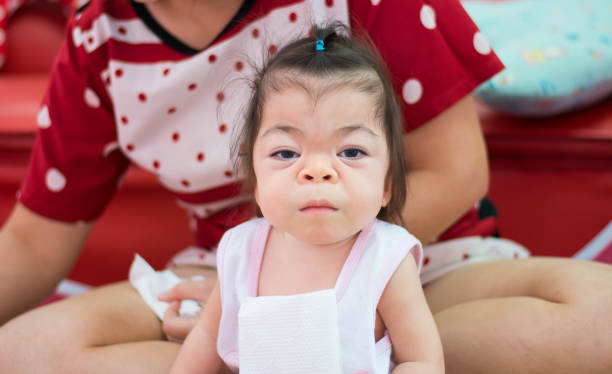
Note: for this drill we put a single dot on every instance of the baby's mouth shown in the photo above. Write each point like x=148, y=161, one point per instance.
x=318, y=207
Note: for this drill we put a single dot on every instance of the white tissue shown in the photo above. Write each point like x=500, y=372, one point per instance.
x=150, y=283
x=295, y=334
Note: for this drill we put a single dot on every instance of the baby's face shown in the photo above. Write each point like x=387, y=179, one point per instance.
x=320, y=164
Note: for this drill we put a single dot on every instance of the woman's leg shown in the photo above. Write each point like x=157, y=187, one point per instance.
x=541, y=315
x=107, y=330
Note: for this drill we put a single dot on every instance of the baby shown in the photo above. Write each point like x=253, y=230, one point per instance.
x=319, y=284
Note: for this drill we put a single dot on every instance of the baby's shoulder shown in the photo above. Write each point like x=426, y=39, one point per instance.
x=391, y=243
x=385, y=233
x=244, y=233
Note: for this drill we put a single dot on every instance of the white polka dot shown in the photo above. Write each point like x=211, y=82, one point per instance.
x=91, y=98
x=412, y=91
x=375, y=2
x=2, y=36
x=55, y=180
x=193, y=224
x=121, y=180
x=76, y=36
x=12, y=5
x=109, y=148
x=428, y=17
x=2, y=13
x=481, y=44
x=43, y=119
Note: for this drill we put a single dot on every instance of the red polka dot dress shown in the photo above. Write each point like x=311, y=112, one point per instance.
x=124, y=90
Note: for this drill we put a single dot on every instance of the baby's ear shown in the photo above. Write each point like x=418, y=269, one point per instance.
x=256, y=194
x=386, y=195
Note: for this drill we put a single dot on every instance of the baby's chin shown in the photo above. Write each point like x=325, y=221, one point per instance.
x=324, y=236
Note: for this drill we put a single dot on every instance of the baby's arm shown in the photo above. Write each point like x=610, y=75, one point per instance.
x=416, y=344
x=199, y=351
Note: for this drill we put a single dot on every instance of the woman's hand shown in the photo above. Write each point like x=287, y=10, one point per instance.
x=174, y=326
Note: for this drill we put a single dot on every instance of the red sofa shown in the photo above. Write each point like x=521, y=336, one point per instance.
x=550, y=178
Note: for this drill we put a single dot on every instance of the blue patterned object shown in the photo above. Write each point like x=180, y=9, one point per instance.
x=558, y=54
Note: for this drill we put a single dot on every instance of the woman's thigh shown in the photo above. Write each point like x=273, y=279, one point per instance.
x=539, y=315
x=558, y=280
x=106, y=316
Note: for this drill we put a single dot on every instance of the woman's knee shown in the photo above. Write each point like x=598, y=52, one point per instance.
x=578, y=295
x=592, y=306
x=572, y=282
x=557, y=280
x=583, y=290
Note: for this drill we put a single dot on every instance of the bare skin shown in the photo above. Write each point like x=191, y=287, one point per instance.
x=540, y=315
x=38, y=253
x=190, y=20
x=109, y=329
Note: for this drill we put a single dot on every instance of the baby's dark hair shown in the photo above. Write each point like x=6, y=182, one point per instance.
x=346, y=61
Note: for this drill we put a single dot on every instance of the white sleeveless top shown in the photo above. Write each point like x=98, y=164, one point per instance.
x=323, y=331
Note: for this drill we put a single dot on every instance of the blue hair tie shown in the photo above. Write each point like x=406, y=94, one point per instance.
x=320, y=45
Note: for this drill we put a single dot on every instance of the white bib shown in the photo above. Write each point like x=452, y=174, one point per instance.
x=295, y=334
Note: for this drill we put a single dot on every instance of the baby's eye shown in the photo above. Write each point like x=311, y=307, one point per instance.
x=352, y=153
x=284, y=154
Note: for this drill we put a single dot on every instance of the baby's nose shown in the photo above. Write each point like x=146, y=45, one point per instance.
x=317, y=170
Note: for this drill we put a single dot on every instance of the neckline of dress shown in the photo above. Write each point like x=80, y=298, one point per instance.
x=178, y=45
x=257, y=249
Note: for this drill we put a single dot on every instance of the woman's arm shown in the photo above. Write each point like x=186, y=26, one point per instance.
x=416, y=343
x=199, y=351
x=448, y=170
x=37, y=252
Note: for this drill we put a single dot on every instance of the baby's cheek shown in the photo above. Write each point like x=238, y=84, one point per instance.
x=269, y=195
